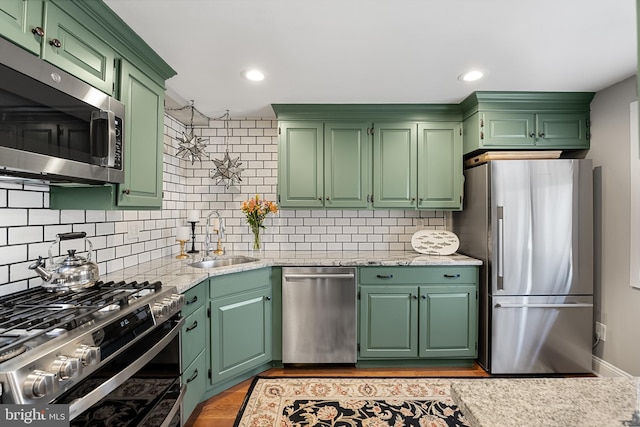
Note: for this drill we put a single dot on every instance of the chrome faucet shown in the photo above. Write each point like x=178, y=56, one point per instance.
x=207, y=237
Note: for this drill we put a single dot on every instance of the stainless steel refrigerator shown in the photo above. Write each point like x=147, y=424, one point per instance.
x=531, y=223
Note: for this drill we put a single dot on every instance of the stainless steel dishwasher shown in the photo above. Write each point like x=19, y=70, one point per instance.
x=319, y=315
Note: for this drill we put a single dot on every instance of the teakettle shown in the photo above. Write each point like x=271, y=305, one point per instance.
x=73, y=273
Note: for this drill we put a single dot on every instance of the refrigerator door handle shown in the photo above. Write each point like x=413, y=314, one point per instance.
x=577, y=305
x=500, y=257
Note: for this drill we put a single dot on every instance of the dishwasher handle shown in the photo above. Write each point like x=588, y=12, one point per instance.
x=319, y=276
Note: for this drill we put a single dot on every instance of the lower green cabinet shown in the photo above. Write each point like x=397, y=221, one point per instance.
x=192, y=347
x=418, y=312
x=240, y=323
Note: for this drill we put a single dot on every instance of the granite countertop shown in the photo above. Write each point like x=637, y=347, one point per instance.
x=175, y=272
x=548, y=402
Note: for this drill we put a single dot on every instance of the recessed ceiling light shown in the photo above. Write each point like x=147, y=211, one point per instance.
x=253, y=75
x=471, y=76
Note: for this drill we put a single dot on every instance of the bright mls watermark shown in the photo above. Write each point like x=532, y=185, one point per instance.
x=34, y=415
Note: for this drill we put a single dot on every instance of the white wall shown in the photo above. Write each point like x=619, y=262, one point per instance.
x=28, y=226
x=617, y=304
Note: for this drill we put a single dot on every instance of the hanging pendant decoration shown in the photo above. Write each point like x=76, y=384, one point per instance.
x=191, y=146
x=227, y=170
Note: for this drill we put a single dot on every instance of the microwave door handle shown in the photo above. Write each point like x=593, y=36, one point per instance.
x=500, y=254
x=111, y=140
x=103, y=137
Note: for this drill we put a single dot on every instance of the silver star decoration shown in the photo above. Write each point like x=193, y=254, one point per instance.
x=227, y=170
x=191, y=147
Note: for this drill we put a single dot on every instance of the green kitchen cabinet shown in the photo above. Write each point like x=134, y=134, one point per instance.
x=240, y=310
x=21, y=22
x=418, y=313
x=193, y=338
x=144, y=121
x=526, y=121
x=440, y=177
x=323, y=165
x=395, y=165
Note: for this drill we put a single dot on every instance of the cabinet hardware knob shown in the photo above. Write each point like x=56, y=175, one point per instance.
x=414, y=296
x=420, y=200
x=328, y=198
x=38, y=31
x=319, y=198
x=55, y=43
x=126, y=191
x=267, y=298
x=541, y=134
x=532, y=135
x=193, y=326
x=424, y=297
x=413, y=199
x=193, y=377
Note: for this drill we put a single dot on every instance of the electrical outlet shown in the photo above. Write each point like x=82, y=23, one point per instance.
x=601, y=331
x=133, y=230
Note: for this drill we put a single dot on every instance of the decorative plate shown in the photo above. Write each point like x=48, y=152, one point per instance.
x=435, y=242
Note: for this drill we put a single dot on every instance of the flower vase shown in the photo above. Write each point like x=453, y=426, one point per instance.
x=256, y=239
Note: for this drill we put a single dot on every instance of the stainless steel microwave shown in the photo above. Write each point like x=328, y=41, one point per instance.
x=54, y=126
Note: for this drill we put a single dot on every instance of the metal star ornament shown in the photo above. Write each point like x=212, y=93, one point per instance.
x=191, y=147
x=227, y=170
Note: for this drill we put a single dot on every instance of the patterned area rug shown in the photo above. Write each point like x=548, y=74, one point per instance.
x=349, y=402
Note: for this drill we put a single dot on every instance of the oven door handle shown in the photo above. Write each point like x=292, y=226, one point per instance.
x=78, y=406
x=176, y=407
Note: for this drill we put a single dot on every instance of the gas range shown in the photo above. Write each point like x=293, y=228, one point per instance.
x=50, y=342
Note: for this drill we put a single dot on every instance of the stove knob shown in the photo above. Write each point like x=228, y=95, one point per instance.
x=160, y=309
x=66, y=367
x=88, y=355
x=170, y=304
x=179, y=299
x=39, y=384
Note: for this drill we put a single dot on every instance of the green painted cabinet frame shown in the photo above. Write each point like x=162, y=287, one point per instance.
x=526, y=121
x=240, y=323
x=18, y=21
x=418, y=313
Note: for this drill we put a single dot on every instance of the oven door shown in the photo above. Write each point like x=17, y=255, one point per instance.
x=140, y=387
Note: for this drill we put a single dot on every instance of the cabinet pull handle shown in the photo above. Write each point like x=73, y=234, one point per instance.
x=451, y=276
x=38, y=31
x=384, y=276
x=193, y=377
x=55, y=43
x=192, y=300
x=193, y=326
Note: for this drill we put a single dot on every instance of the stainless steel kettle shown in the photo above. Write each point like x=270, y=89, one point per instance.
x=73, y=273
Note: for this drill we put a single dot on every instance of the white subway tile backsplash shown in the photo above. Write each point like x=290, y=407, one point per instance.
x=25, y=199
x=25, y=235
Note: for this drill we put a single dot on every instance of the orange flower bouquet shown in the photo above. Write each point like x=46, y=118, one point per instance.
x=256, y=211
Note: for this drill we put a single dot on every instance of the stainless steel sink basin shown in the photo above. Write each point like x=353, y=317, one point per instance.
x=222, y=261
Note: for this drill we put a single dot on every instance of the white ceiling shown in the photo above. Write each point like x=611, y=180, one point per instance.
x=380, y=51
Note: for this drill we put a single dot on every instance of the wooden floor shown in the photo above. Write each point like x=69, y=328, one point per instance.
x=222, y=409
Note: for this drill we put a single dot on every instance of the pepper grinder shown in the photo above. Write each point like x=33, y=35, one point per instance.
x=193, y=217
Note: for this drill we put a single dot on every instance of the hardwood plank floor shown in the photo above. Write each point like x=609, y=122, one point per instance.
x=221, y=410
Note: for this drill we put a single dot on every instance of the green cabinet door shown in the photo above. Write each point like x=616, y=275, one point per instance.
x=448, y=321
x=394, y=165
x=194, y=377
x=388, y=321
x=440, y=177
x=507, y=130
x=300, y=164
x=20, y=20
x=240, y=333
x=347, y=165
x=76, y=49
x=562, y=130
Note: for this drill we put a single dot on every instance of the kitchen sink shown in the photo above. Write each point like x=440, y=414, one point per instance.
x=222, y=261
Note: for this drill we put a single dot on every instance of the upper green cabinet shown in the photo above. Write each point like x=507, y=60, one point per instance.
x=526, y=121
x=338, y=159
x=21, y=22
x=323, y=165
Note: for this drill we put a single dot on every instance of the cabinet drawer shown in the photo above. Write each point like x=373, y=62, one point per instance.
x=417, y=275
x=195, y=378
x=193, y=335
x=194, y=298
x=234, y=283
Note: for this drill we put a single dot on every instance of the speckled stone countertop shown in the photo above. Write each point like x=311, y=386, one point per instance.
x=173, y=272
x=548, y=402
